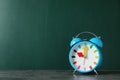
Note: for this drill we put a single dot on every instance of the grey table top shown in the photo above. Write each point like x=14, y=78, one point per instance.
x=56, y=75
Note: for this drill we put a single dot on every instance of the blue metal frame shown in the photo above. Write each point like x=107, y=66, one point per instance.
x=81, y=71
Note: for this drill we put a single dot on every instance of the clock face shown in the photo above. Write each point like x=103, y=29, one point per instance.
x=84, y=56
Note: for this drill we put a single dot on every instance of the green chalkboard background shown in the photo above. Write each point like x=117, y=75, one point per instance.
x=35, y=34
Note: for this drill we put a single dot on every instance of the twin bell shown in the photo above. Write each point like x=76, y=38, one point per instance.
x=97, y=41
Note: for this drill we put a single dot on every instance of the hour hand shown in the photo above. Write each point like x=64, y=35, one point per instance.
x=80, y=54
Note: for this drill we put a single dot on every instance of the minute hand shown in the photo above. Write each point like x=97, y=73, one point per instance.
x=85, y=49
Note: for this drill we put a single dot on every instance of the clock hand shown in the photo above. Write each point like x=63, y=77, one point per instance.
x=80, y=54
x=84, y=62
x=85, y=49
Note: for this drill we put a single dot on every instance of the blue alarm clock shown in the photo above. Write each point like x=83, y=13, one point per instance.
x=85, y=55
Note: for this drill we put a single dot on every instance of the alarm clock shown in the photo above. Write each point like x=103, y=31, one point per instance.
x=85, y=55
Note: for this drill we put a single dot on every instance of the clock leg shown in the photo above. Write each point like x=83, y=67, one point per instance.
x=74, y=71
x=95, y=72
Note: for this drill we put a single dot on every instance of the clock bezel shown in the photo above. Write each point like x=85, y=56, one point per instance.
x=97, y=65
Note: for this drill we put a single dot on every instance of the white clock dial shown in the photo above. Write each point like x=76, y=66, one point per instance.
x=84, y=56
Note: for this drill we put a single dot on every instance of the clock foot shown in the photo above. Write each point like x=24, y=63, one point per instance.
x=95, y=72
x=74, y=71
